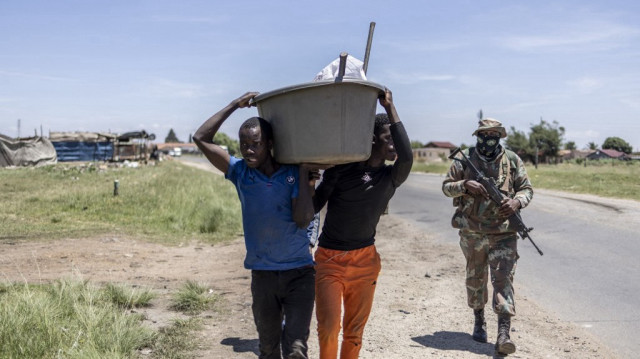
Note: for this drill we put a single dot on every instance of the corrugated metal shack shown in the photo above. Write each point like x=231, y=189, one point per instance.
x=83, y=146
x=100, y=146
x=133, y=146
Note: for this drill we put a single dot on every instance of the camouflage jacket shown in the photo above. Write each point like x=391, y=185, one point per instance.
x=476, y=213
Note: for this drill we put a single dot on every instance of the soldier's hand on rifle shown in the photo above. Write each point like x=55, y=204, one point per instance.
x=508, y=207
x=476, y=189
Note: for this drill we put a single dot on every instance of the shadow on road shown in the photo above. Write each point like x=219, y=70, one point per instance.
x=455, y=341
x=242, y=345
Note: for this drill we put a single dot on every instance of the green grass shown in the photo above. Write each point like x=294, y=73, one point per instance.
x=127, y=298
x=621, y=180
x=67, y=320
x=177, y=341
x=168, y=203
x=617, y=179
x=193, y=298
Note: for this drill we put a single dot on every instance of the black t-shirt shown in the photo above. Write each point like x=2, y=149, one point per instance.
x=358, y=195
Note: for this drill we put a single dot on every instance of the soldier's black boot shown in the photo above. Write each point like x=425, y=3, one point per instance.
x=480, y=326
x=504, y=345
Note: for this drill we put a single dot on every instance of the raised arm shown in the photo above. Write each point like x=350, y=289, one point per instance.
x=404, y=161
x=203, y=137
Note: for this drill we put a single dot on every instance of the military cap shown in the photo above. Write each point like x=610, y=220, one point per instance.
x=490, y=124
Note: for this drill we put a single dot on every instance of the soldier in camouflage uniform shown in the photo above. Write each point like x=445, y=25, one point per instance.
x=486, y=236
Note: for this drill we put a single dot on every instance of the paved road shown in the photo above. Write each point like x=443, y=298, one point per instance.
x=590, y=271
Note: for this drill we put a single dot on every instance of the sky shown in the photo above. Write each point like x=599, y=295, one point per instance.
x=119, y=66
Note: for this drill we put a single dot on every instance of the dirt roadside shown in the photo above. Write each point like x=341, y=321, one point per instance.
x=419, y=311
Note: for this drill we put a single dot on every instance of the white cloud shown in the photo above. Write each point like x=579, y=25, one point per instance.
x=34, y=76
x=407, y=78
x=585, y=36
x=166, y=88
x=188, y=19
x=8, y=99
x=586, y=84
x=632, y=101
x=420, y=45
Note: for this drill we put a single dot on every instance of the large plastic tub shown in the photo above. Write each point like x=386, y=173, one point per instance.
x=326, y=122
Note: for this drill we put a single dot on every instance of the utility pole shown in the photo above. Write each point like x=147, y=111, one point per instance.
x=18, y=128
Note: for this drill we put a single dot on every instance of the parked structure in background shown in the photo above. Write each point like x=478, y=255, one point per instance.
x=133, y=146
x=574, y=154
x=83, y=146
x=100, y=146
x=30, y=151
x=434, y=151
x=441, y=144
x=608, y=154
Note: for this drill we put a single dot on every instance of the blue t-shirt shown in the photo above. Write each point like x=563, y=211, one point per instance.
x=272, y=238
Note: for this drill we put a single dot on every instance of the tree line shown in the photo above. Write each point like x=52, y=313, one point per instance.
x=546, y=139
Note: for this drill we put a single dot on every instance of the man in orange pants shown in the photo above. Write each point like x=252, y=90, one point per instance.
x=347, y=263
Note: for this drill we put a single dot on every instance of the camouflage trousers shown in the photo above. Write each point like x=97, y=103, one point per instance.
x=498, y=252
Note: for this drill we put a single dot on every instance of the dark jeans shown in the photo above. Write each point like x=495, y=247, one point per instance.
x=279, y=295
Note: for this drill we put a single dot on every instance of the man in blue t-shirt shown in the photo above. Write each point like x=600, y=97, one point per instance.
x=276, y=211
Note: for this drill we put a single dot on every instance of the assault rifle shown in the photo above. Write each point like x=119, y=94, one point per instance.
x=495, y=195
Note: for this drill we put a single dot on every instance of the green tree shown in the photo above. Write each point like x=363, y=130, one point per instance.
x=570, y=145
x=171, y=137
x=222, y=139
x=616, y=143
x=546, y=137
x=592, y=145
x=517, y=141
x=416, y=144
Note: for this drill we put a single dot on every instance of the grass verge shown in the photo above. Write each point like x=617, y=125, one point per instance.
x=71, y=319
x=67, y=320
x=169, y=203
x=619, y=179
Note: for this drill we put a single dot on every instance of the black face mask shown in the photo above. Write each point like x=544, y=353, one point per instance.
x=487, y=145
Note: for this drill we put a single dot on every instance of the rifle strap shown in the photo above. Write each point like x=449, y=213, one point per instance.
x=508, y=164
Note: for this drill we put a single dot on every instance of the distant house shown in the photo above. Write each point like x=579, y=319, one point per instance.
x=430, y=154
x=441, y=144
x=434, y=151
x=606, y=154
x=574, y=154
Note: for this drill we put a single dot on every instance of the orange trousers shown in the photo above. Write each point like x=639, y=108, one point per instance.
x=344, y=278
